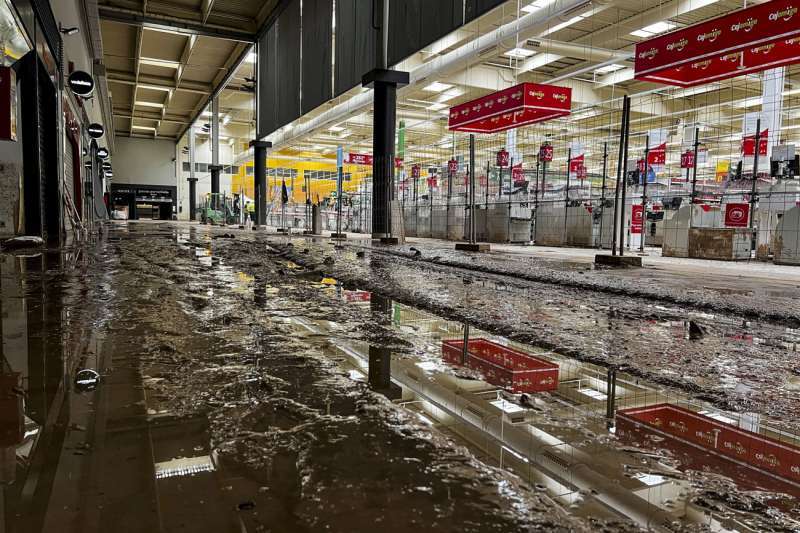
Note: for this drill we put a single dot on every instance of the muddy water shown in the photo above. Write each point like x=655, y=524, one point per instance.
x=729, y=359
x=215, y=410
x=228, y=401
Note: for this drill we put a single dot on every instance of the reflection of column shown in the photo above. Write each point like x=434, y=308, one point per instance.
x=215, y=168
x=380, y=368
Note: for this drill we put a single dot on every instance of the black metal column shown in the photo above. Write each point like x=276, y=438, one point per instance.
x=215, y=170
x=192, y=198
x=260, y=176
x=384, y=83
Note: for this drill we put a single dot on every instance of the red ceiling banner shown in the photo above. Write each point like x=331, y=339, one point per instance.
x=753, y=39
x=526, y=103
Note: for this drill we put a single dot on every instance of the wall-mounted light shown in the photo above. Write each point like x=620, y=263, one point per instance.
x=68, y=31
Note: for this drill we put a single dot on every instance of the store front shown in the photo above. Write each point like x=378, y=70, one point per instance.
x=142, y=202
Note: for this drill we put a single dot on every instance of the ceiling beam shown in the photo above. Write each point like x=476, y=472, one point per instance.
x=136, y=68
x=174, y=24
x=208, y=5
x=146, y=81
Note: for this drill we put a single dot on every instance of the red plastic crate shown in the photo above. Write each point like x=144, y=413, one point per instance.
x=504, y=366
x=746, y=448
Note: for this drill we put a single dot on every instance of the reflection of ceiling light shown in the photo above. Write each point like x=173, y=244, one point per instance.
x=654, y=29
x=791, y=92
x=427, y=366
x=749, y=102
x=437, y=87
x=251, y=58
x=437, y=106
x=225, y=120
x=650, y=479
x=519, y=53
x=609, y=68
x=184, y=467
x=507, y=407
x=336, y=128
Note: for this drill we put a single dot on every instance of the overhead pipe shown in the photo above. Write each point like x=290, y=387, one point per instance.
x=462, y=57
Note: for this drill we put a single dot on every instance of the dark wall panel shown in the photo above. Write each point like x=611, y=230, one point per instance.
x=267, y=82
x=317, y=56
x=475, y=8
x=414, y=24
x=289, y=66
x=355, y=43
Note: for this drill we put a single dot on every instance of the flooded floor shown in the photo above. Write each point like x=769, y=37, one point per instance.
x=174, y=377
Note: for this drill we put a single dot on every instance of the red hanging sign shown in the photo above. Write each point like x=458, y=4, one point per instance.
x=452, y=166
x=753, y=39
x=657, y=155
x=516, y=106
x=503, y=158
x=637, y=214
x=517, y=174
x=737, y=215
x=416, y=171
x=687, y=159
x=546, y=152
x=640, y=165
x=581, y=172
x=575, y=164
x=432, y=182
x=749, y=144
x=367, y=160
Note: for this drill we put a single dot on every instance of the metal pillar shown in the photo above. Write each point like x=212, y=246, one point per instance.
x=260, y=177
x=622, y=172
x=644, y=192
x=753, y=191
x=192, y=177
x=215, y=166
x=472, y=188
x=611, y=393
x=603, y=192
x=385, y=84
x=566, y=193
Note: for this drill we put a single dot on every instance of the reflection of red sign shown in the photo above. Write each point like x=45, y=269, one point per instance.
x=749, y=143
x=640, y=165
x=637, y=214
x=749, y=40
x=357, y=296
x=432, y=182
x=366, y=160
x=516, y=106
x=687, y=159
x=517, y=175
x=452, y=166
x=416, y=171
x=503, y=158
x=581, y=173
x=546, y=153
x=746, y=448
x=657, y=155
x=737, y=215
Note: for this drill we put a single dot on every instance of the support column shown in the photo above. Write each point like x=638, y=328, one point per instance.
x=385, y=83
x=192, y=177
x=260, y=176
x=215, y=167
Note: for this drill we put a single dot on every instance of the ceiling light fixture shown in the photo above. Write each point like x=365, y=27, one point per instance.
x=654, y=29
x=437, y=87
x=519, y=53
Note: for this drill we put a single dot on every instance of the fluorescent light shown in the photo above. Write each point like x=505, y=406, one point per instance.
x=251, y=58
x=225, y=120
x=654, y=29
x=749, y=102
x=146, y=128
x=564, y=24
x=791, y=92
x=536, y=6
x=609, y=68
x=437, y=87
x=336, y=128
x=437, y=106
x=519, y=53
x=142, y=103
x=159, y=62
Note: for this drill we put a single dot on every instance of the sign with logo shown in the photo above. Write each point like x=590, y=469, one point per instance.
x=81, y=83
x=106, y=165
x=503, y=158
x=367, y=160
x=546, y=153
x=516, y=106
x=759, y=37
x=721, y=170
x=737, y=215
x=687, y=159
x=95, y=130
x=637, y=216
x=102, y=153
x=452, y=166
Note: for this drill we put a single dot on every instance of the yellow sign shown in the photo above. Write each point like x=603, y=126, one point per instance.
x=722, y=170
